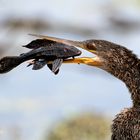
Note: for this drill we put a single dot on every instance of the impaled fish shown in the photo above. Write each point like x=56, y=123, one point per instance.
x=53, y=54
x=43, y=52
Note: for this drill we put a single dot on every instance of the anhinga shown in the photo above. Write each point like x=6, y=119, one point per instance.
x=123, y=64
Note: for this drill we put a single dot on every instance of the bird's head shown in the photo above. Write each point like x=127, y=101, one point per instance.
x=108, y=56
x=113, y=58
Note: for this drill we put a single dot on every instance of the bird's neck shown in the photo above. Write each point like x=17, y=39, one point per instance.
x=132, y=80
x=134, y=89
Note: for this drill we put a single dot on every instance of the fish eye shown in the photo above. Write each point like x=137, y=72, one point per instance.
x=65, y=49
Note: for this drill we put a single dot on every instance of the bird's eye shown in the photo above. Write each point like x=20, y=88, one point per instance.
x=91, y=46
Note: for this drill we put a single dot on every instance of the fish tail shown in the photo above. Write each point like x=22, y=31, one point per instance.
x=9, y=62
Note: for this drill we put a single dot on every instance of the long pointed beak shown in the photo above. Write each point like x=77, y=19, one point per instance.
x=93, y=61
x=63, y=41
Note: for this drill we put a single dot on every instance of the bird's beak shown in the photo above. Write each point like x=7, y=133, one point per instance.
x=63, y=41
x=93, y=61
x=79, y=44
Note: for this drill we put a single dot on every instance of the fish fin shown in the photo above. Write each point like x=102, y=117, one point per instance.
x=56, y=72
x=35, y=44
x=49, y=66
x=30, y=64
x=9, y=62
x=56, y=65
x=39, y=64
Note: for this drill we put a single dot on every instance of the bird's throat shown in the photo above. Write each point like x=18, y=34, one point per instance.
x=132, y=80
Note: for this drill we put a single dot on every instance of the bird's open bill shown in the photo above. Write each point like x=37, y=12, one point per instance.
x=93, y=61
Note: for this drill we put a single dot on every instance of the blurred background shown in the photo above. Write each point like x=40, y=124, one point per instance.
x=81, y=101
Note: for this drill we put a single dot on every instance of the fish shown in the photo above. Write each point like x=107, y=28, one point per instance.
x=43, y=52
x=57, y=53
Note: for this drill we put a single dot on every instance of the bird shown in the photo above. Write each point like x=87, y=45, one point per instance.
x=124, y=65
x=42, y=51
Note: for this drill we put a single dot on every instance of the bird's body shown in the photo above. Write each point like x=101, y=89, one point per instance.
x=123, y=64
x=126, y=125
